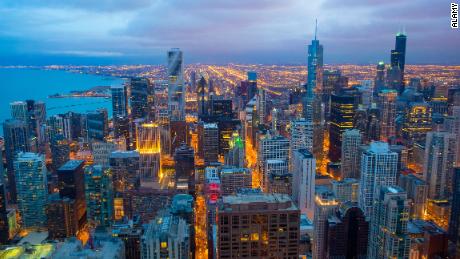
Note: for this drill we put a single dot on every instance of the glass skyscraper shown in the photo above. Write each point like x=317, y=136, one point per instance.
x=176, y=90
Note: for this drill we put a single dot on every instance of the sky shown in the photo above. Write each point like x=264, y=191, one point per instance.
x=39, y=32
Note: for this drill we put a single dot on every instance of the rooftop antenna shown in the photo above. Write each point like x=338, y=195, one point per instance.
x=316, y=27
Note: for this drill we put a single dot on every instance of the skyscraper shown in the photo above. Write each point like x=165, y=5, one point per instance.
x=60, y=151
x=141, y=98
x=72, y=185
x=315, y=66
x=438, y=164
x=210, y=142
x=379, y=81
x=398, y=58
x=16, y=136
x=99, y=195
x=303, y=181
x=149, y=147
x=388, y=237
x=32, y=189
x=387, y=105
x=97, y=124
x=176, y=89
x=258, y=225
x=325, y=206
x=351, y=142
x=379, y=167
x=347, y=233
x=125, y=170
x=271, y=147
x=119, y=101
x=202, y=97
x=185, y=168
x=4, y=228
x=301, y=135
x=343, y=108
x=236, y=153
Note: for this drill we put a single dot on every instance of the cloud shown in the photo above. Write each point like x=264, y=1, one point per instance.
x=216, y=31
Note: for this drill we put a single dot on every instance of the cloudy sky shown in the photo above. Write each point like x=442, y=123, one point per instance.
x=222, y=31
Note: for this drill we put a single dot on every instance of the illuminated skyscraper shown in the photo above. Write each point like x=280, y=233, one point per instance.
x=303, y=181
x=398, y=58
x=148, y=146
x=343, y=108
x=99, y=195
x=202, y=97
x=387, y=105
x=16, y=137
x=388, y=237
x=210, y=142
x=236, y=154
x=32, y=189
x=125, y=170
x=351, y=156
x=315, y=67
x=60, y=151
x=176, y=89
x=379, y=81
x=417, y=122
x=379, y=167
x=438, y=164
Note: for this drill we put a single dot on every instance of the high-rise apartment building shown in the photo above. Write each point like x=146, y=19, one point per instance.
x=379, y=167
x=303, y=181
x=99, y=195
x=32, y=189
x=351, y=156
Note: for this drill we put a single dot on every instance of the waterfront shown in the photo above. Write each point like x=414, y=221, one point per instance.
x=22, y=84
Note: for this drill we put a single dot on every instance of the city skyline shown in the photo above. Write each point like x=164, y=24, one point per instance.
x=262, y=31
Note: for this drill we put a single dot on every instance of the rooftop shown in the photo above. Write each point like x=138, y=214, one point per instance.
x=71, y=165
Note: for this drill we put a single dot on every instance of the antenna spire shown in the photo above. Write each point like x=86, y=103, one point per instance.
x=316, y=27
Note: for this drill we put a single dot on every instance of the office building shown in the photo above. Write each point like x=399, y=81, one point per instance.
x=343, y=107
x=210, y=142
x=16, y=137
x=236, y=153
x=387, y=106
x=32, y=192
x=119, y=101
x=314, y=75
x=276, y=169
x=184, y=159
x=233, y=178
x=347, y=233
x=4, y=226
x=417, y=123
x=258, y=225
x=325, y=206
x=346, y=189
x=438, y=164
x=142, y=98
x=61, y=221
x=271, y=147
x=71, y=184
x=97, y=124
x=60, y=151
x=99, y=195
x=351, y=156
x=303, y=181
x=398, y=60
x=149, y=147
x=427, y=240
x=388, y=236
x=202, y=97
x=176, y=88
x=379, y=167
x=101, y=151
x=417, y=193
x=167, y=236
x=125, y=167
x=379, y=81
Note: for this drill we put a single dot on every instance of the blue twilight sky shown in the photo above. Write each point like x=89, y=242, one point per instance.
x=40, y=32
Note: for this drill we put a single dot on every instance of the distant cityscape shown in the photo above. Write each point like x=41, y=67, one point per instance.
x=239, y=161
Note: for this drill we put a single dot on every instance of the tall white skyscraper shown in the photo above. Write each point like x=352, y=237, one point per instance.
x=438, y=164
x=388, y=236
x=379, y=167
x=176, y=88
x=261, y=105
x=32, y=189
x=303, y=181
x=351, y=142
x=271, y=147
x=325, y=205
x=301, y=135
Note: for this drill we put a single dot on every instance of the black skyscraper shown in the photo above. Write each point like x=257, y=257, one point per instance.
x=398, y=58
